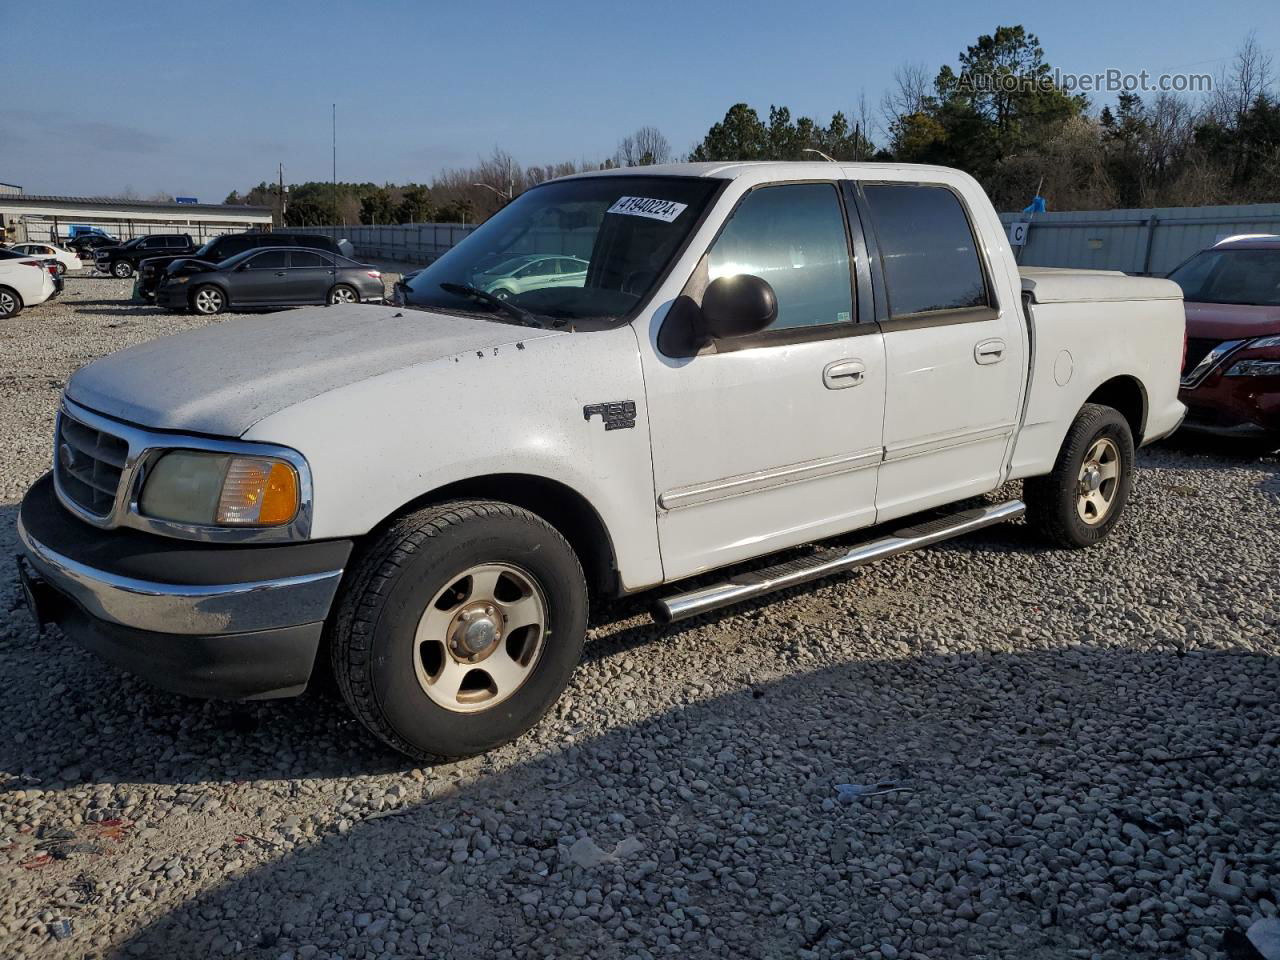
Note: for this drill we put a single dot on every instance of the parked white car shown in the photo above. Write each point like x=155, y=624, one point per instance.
x=67, y=260
x=760, y=356
x=24, y=282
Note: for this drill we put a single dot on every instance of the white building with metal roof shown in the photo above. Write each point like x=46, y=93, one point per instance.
x=49, y=219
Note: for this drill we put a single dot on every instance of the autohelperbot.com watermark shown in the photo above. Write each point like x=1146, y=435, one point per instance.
x=1111, y=80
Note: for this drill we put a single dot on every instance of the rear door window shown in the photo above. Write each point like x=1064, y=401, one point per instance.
x=927, y=249
x=308, y=258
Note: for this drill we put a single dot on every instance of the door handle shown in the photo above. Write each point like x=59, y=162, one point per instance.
x=989, y=351
x=843, y=373
x=282, y=273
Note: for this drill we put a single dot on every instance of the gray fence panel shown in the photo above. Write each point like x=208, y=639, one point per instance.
x=1147, y=241
x=406, y=243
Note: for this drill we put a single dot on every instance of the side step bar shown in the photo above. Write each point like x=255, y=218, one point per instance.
x=759, y=582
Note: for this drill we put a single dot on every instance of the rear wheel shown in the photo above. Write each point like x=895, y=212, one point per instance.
x=1084, y=497
x=208, y=300
x=459, y=628
x=59, y=268
x=10, y=303
x=122, y=269
x=343, y=294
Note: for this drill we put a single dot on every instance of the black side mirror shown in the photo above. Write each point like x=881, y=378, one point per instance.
x=738, y=306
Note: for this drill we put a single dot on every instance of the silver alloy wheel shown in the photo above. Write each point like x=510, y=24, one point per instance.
x=208, y=300
x=342, y=295
x=480, y=637
x=1098, y=482
x=122, y=269
x=8, y=303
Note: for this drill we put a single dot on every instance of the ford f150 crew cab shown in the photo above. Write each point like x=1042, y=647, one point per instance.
x=760, y=357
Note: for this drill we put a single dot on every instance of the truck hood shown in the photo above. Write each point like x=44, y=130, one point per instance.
x=1231, y=321
x=221, y=379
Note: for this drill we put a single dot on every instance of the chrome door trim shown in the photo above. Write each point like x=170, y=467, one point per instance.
x=742, y=484
x=935, y=444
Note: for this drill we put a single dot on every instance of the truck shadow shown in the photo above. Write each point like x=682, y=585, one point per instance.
x=1088, y=727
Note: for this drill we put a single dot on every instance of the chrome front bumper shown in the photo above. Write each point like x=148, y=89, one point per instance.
x=224, y=608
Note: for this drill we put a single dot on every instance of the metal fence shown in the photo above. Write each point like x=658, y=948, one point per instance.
x=1151, y=241
x=408, y=243
x=50, y=230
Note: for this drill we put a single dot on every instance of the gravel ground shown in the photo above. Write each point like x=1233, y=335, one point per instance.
x=1082, y=752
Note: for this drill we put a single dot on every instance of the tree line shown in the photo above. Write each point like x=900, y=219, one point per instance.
x=998, y=113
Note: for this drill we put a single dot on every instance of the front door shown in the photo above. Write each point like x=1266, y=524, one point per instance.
x=264, y=279
x=774, y=440
x=954, y=354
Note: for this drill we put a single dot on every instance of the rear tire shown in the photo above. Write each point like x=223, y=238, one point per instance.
x=341, y=293
x=1082, y=500
x=10, y=303
x=429, y=647
x=122, y=269
x=208, y=300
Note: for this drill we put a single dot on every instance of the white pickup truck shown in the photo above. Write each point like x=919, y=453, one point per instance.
x=759, y=356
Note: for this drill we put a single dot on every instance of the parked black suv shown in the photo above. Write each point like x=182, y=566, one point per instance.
x=151, y=270
x=123, y=260
x=87, y=244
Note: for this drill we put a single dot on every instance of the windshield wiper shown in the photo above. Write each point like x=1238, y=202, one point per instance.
x=519, y=314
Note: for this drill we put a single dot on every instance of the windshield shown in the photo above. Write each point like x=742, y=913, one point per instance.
x=589, y=249
x=1231, y=276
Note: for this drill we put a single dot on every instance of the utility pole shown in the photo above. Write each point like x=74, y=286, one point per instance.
x=280, y=194
x=335, y=172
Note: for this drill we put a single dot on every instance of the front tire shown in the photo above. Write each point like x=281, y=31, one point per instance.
x=208, y=300
x=459, y=627
x=122, y=269
x=10, y=303
x=1082, y=500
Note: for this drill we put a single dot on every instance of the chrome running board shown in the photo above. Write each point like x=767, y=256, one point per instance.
x=756, y=583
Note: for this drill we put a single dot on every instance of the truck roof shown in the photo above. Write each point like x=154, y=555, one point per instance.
x=772, y=169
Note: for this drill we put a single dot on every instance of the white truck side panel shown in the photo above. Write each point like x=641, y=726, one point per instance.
x=1078, y=346
x=394, y=428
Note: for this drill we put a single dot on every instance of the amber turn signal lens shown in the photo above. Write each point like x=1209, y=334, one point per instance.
x=260, y=493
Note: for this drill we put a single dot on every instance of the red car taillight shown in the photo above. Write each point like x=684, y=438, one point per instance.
x=375, y=274
x=1183, y=366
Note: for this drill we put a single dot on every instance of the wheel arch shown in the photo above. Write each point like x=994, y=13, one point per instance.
x=571, y=513
x=1127, y=395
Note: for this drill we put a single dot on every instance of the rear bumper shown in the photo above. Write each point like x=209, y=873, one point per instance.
x=196, y=619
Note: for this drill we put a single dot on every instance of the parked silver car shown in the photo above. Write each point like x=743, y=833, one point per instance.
x=532, y=272
x=274, y=277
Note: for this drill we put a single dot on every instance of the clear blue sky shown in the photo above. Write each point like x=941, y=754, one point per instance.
x=200, y=98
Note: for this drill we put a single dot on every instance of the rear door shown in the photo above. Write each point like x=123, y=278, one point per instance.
x=311, y=274
x=954, y=353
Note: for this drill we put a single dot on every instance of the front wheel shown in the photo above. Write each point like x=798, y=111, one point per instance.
x=208, y=300
x=1083, y=498
x=459, y=628
x=343, y=294
x=122, y=269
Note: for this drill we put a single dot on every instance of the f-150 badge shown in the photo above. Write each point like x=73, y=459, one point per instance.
x=617, y=414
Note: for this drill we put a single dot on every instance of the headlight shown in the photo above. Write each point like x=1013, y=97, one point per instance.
x=218, y=489
x=1264, y=342
x=1255, y=368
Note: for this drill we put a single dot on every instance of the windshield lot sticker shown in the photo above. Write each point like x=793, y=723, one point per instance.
x=664, y=210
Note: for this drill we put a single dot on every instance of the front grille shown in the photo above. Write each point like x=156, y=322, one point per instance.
x=1197, y=349
x=88, y=465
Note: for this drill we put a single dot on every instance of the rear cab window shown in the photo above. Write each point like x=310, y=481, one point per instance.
x=928, y=253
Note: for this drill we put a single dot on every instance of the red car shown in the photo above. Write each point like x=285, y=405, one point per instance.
x=1231, y=375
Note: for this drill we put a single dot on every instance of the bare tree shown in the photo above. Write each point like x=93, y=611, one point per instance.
x=907, y=96
x=1241, y=83
x=646, y=146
